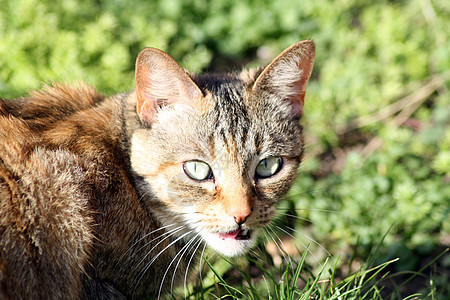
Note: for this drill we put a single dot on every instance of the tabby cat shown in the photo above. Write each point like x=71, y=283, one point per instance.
x=115, y=197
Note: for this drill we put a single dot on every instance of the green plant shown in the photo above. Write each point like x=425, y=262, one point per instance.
x=295, y=280
x=376, y=113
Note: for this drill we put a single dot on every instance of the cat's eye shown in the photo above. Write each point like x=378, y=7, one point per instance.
x=269, y=166
x=197, y=170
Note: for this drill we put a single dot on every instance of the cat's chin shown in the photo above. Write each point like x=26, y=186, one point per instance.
x=232, y=243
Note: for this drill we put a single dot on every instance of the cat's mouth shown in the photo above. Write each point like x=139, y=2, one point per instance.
x=231, y=243
x=239, y=234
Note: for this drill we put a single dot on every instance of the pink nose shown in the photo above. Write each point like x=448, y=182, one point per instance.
x=240, y=214
x=240, y=220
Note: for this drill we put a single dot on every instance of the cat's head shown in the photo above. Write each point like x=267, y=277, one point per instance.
x=218, y=152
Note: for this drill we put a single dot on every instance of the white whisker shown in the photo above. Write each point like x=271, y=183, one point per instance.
x=146, y=235
x=309, y=251
x=319, y=210
x=188, y=265
x=297, y=217
x=142, y=272
x=181, y=254
x=311, y=239
x=168, y=235
x=187, y=246
x=200, y=264
x=282, y=248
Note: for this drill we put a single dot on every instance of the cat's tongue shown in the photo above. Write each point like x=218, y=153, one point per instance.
x=239, y=234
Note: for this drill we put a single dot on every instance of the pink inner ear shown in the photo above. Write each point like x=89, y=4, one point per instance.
x=147, y=111
x=150, y=81
x=288, y=74
x=143, y=107
x=298, y=100
x=160, y=81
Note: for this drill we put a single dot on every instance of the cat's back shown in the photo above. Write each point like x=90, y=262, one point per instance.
x=38, y=130
x=50, y=145
x=71, y=117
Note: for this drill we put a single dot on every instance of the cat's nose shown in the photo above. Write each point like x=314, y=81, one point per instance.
x=240, y=220
x=237, y=202
x=240, y=214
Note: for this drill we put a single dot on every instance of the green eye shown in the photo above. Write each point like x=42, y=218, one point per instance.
x=197, y=170
x=269, y=167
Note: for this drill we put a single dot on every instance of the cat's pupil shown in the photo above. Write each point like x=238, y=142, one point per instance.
x=269, y=167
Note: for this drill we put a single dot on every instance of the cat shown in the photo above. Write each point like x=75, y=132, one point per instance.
x=114, y=197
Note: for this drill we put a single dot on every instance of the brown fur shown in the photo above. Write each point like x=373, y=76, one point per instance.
x=90, y=186
x=73, y=167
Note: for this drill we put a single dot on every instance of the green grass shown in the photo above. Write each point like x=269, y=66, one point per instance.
x=256, y=277
x=377, y=122
x=295, y=280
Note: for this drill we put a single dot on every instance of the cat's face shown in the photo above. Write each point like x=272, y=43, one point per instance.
x=218, y=152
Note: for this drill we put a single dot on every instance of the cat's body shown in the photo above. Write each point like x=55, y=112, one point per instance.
x=112, y=197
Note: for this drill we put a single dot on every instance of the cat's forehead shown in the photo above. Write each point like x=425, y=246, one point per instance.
x=229, y=108
x=229, y=100
x=242, y=125
x=221, y=86
x=228, y=119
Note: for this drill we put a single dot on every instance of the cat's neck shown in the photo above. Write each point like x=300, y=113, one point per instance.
x=131, y=118
x=145, y=245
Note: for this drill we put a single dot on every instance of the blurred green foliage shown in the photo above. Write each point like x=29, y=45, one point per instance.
x=369, y=55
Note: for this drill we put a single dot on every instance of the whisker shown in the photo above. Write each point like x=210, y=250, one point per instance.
x=312, y=209
x=142, y=272
x=309, y=251
x=168, y=235
x=188, y=265
x=281, y=247
x=181, y=254
x=316, y=191
x=297, y=217
x=256, y=254
x=281, y=244
x=200, y=266
x=146, y=235
x=311, y=239
x=189, y=245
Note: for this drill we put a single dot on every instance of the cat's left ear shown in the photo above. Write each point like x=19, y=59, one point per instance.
x=288, y=74
x=160, y=81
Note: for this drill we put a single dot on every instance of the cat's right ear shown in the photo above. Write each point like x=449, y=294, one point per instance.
x=160, y=81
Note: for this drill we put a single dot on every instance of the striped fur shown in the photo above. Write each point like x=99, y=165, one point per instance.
x=94, y=200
